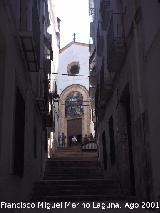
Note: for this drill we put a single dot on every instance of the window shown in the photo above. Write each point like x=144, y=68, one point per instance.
x=74, y=105
x=73, y=68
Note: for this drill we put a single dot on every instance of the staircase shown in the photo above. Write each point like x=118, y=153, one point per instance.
x=74, y=176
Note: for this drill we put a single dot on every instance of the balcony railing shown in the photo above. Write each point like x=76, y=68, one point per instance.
x=100, y=42
x=29, y=50
x=91, y=48
x=92, y=77
x=105, y=92
x=41, y=105
x=47, y=66
x=92, y=30
x=116, y=47
x=91, y=8
x=49, y=120
x=105, y=10
x=92, y=56
x=48, y=40
x=94, y=115
x=48, y=44
x=92, y=91
x=106, y=85
x=92, y=67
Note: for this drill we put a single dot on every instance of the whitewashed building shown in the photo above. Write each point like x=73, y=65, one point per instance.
x=73, y=87
x=72, y=54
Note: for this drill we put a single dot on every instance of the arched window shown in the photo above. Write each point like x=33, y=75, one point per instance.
x=74, y=105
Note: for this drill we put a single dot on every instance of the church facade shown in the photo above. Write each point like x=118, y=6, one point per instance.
x=73, y=86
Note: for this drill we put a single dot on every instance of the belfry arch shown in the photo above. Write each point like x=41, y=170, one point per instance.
x=79, y=117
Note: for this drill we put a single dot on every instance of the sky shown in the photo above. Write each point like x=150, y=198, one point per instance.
x=74, y=15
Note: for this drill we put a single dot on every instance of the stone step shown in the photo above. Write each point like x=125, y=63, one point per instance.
x=84, y=173
x=71, y=163
x=74, y=187
x=74, y=153
x=75, y=156
x=89, y=173
x=68, y=150
x=69, y=193
x=73, y=168
x=74, y=176
x=74, y=173
x=69, y=177
x=75, y=182
x=82, y=198
x=67, y=186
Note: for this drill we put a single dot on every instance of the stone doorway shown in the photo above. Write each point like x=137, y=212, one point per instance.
x=74, y=128
x=74, y=111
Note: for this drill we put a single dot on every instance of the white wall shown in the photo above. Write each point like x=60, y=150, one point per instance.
x=75, y=52
x=52, y=30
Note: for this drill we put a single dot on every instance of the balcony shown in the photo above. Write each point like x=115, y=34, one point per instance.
x=116, y=47
x=92, y=66
x=91, y=48
x=93, y=102
x=92, y=58
x=47, y=66
x=92, y=78
x=92, y=29
x=29, y=51
x=105, y=92
x=48, y=44
x=105, y=11
x=48, y=40
x=106, y=85
x=93, y=115
x=91, y=8
x=41, y=105
x=92, y=91
x=49, y=120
